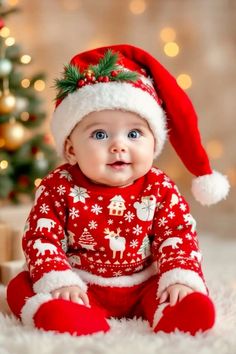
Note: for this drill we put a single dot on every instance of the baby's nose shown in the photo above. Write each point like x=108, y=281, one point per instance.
x=117, y=147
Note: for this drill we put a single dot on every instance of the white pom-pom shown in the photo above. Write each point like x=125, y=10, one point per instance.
x=210, y=189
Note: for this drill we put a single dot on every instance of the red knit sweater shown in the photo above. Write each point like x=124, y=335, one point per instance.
x=79, y=232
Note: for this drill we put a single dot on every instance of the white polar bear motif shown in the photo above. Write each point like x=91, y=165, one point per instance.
x=172, y=241
x=197, y=255
x=146, y=209
x=190, y=221
x=45, y=223
x=43, y=247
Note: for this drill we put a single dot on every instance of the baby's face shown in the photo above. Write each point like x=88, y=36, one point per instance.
x=111, y=147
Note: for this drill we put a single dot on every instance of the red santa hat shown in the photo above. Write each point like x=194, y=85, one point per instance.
x=128, y=78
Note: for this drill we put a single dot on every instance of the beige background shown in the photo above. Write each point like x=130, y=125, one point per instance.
x=52, y=31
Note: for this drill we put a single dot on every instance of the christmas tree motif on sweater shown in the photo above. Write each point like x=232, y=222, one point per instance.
x=144, y=250
x=117, y=206
x=146, y=209
x=116, y=242
x=86, y=240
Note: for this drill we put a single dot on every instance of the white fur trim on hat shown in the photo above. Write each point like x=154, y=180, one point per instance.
x=110, y=95
x=57, y=279
x=121, y=281
x=181, y=276
x=210, y=189
x=31, y=307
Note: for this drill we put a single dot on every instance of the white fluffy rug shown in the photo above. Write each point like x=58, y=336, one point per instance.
x=134, y=336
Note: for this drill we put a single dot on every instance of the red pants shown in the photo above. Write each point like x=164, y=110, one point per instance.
x=195, y=312
x=136, y=301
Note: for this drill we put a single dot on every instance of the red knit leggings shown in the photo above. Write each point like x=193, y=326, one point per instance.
x=138, y=300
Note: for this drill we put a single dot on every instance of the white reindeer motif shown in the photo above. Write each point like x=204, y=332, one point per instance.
x=117, y=243
x=43, y=247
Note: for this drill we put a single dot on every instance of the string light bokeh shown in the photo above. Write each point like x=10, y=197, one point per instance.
x=194, y=40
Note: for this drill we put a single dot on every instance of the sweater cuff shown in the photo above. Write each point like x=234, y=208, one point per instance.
x=181, y=276
x=57, y=279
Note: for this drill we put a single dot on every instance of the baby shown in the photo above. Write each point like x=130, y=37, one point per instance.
x=110, y=235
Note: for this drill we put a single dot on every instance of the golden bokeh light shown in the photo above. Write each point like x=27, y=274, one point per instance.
x=168, y=34
x=10, y=41
x=184, y=81
x=215, y=149
x=24, y=116
x=171, y=49
x=4, y=32
x=39, y=85
x=25, y=59
x=25, y=83
x=3, y=164
x=137, y=7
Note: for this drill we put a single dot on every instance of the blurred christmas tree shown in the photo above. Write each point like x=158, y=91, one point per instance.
x=25, y=157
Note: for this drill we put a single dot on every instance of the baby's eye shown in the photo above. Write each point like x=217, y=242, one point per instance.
x=134, y=134
x=99, y=135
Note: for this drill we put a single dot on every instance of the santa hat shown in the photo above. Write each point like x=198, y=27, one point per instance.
x=128, y=78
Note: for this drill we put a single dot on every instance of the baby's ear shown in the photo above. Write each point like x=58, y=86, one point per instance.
x=69, y=152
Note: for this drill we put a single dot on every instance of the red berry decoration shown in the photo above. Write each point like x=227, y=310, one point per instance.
x=100, y=79
x=106, y=79
x=114, y=73
x=81, y=83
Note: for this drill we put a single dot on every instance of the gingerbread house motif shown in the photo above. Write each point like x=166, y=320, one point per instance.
x=117, y=206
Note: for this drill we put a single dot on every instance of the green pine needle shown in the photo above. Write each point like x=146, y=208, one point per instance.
x=107, y=64
x=69, y=83
x=126, y=76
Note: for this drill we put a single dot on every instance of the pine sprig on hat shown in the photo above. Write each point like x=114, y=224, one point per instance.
x=106, y=70
x=106, y=65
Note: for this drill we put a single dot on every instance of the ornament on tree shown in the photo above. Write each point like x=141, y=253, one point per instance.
x=7, y=103
x=5, y=67
x=21, y=104
x=40, y=165
x=12, y=134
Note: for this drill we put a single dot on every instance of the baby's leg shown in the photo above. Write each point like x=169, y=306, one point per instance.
x=44, y=312
x=194, y=313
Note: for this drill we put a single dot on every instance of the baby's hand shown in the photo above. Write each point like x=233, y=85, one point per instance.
x=72, y=293
x=175, y=293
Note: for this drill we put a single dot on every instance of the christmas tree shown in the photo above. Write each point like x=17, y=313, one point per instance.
x=25, y=156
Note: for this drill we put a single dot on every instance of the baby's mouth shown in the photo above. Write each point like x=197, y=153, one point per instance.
x=118, y=164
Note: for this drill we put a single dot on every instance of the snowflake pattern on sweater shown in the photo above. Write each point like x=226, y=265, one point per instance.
x=77, y=228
